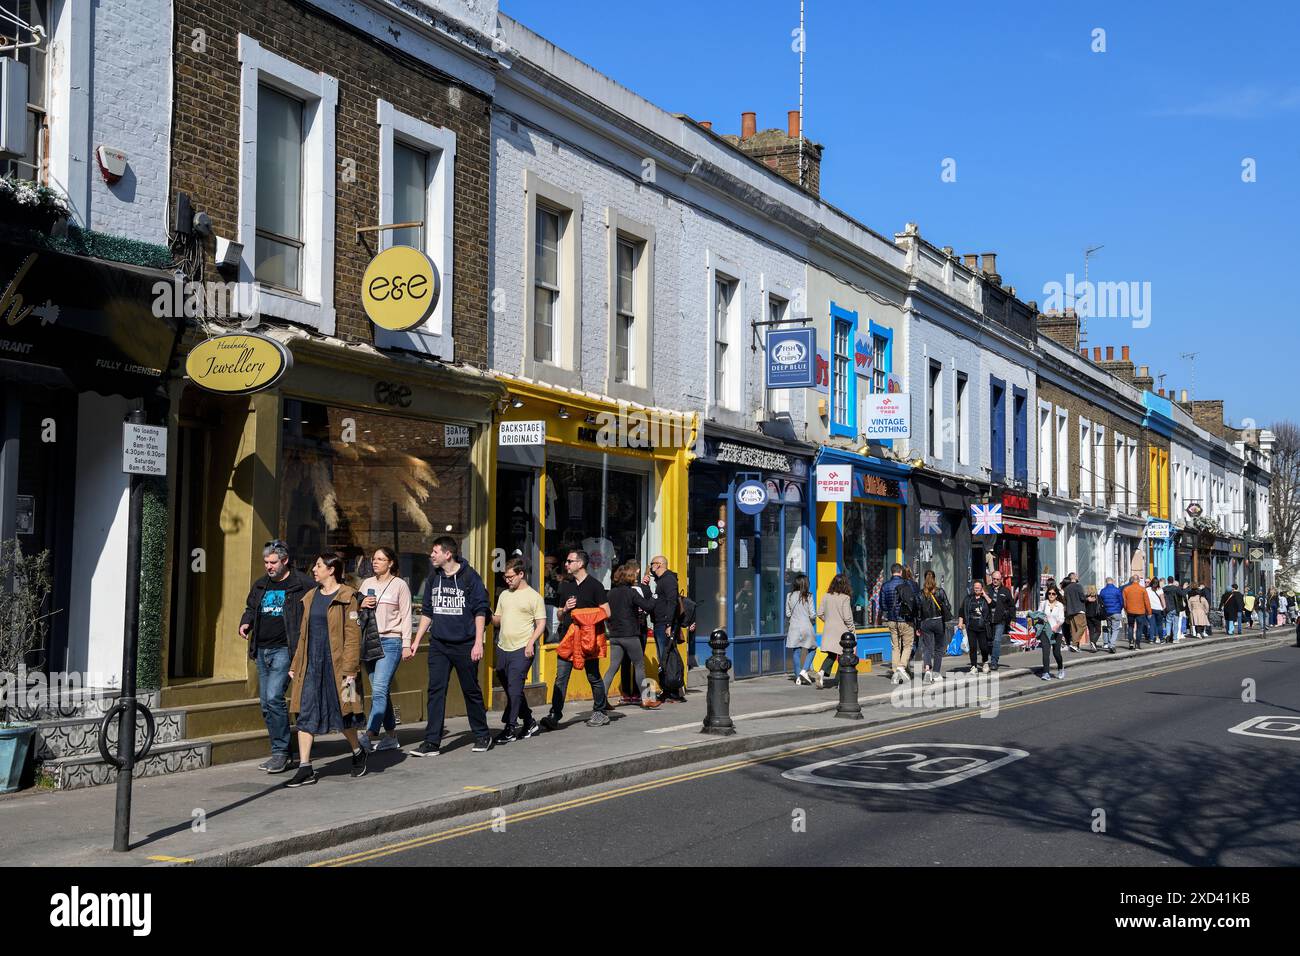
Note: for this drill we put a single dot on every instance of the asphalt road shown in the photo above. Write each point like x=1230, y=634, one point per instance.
x=1134, y=770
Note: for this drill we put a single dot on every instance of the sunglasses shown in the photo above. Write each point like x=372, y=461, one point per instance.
x=276, y=543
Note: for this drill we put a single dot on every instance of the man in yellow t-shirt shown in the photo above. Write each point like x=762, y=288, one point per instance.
x=519, y=620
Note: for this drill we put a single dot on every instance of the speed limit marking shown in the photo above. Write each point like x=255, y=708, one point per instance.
x=907, y=766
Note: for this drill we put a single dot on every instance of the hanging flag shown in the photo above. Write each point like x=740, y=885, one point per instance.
x=875, y=597
x=986, y=519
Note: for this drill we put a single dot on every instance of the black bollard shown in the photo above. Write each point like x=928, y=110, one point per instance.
x=849, y=708
x=718, y=719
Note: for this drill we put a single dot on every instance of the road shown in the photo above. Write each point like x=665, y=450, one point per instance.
x=1131, y=770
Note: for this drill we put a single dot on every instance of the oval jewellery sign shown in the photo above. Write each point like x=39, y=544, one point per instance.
x=237, y=364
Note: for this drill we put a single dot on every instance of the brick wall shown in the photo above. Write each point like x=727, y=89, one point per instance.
x=205, y=141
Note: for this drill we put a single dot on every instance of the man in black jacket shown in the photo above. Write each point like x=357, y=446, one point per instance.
x=664, y=615
x=1076, y=617
x=1233, y=606
x=974, y=617
x=271, y=623
x=1175, y=609
x=1002, y=613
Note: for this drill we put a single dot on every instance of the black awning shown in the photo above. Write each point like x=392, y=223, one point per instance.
x=89, y=320
x=932, y=494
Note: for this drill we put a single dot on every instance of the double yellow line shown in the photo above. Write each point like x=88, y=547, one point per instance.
x=470, y=828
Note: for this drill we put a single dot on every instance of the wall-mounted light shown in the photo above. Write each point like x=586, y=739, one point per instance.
x=590, y=419
x=516, y=402
x=563, y=412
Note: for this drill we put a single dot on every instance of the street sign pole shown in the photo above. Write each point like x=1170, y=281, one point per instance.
x=130, y=639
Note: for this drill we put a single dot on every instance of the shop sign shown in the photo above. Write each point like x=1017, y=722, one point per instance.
x=400, y=289
x=873, y=486
x=732, y=453
x=1194, y=510
x=886, y=416
x=522, y=433
x=822, y=379
x=1238, y=547
x=834, y=483
x=1157, y=531
x=1025, y=529
x=751, y=497
x=1256, y=553
x=864, y=358
x=393, y=393
x=144, y=449
x=930, y=521
x=791, y=358
x=986, y=519
x=455, y=436
x=1017, y=504
x=237, y=364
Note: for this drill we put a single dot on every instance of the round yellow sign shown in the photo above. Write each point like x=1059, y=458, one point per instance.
x=237, y=364
x=400, y=289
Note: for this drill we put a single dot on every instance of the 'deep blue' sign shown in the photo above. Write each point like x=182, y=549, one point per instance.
x=791, y=359
x=751, y=497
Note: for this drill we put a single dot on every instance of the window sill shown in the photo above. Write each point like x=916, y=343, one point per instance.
x=552, y=374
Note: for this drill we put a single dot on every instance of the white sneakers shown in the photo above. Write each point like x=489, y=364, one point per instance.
x=900, y=676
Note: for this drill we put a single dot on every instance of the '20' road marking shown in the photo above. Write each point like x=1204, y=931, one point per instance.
x=896, y=766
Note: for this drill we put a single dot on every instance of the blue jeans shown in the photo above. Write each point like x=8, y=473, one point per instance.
x=998, y=631
x=1137, y=628
x=381, y=675
x=272, y=681
x=563, y=669
x=1157, y=625
x=1116, y=628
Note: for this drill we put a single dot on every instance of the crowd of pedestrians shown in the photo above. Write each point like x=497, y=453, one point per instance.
x=313, y=638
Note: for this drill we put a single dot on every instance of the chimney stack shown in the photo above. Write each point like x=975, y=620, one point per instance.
x=1096, y=353
x=1144, y=371
x=792, y=123
x=971, y=261
x=990, y=260
x=1123, y=356
x=1084, y=352
x=1110, y=353
x=748, y=125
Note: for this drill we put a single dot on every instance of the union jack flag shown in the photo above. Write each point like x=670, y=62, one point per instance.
x=986, y=519
x=1021, y=635
x=930, y=521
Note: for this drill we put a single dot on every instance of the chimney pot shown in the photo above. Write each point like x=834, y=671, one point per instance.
x=1184, y=396
x=1162, y=393
x=707, y=124
x=1096, y=353
x=792, y=123
x=1144, y=371
x=1110, y=353
x=748, y=124
x=1124, y=353
x=990, y=260
x=1084, y=351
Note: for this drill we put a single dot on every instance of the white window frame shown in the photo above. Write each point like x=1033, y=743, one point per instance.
x=1131, y=484
x=718, y=267
x=567, y=371
x=961, y=414
x=439, y=144
x=934, y=409
x=779, y=400
x=1085, y=462
x=1099, y=452
x=1062, y=452
x=314, y=305
x=1044, y=444
x=640, y=386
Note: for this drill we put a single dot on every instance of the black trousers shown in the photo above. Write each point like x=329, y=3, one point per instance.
x=443, y=658
x=512, y=669
x=981, y=641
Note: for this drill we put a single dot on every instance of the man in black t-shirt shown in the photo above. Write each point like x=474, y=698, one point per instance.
x=581, y=591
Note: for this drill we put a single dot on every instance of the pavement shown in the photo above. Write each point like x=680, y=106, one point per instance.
x=1162, y=766
x=236, y=815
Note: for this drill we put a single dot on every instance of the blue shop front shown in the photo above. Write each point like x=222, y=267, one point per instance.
x=747, y=535
x=859, y=533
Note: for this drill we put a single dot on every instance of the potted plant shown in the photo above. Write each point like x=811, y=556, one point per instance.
x=24, y=590
x=30, y=205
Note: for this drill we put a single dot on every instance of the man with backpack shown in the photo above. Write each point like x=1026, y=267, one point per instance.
x=665, y=616
x=899, y=606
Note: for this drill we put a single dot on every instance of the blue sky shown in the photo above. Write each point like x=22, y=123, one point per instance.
x=1057, y=147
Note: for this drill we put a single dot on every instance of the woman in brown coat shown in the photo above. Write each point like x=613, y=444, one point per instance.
x=836, y=612
x=326, y=694
x=1198, y=614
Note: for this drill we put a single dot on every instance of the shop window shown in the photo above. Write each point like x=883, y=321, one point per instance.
x=353, y=480
x=596, y=509
x=31, y=164
x=706, y=545
x=869, y=546
x=938, y=553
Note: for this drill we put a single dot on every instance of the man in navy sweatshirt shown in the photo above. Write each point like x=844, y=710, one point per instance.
x=454, y=612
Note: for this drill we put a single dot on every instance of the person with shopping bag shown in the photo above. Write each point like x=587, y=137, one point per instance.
x=975, y=618
x=1050, y=634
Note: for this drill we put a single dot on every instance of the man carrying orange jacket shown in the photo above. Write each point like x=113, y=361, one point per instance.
x=1138, y=608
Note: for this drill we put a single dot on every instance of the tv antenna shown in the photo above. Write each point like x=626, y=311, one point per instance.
x=1083, y=319
x=802, y=43
x=1191, y=357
